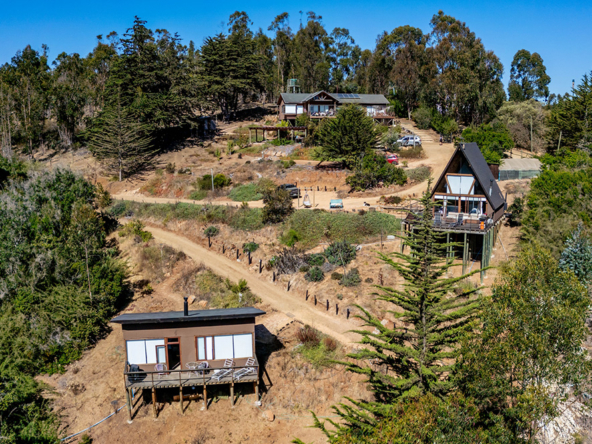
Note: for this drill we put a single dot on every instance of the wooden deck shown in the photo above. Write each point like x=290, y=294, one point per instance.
x=183, y=378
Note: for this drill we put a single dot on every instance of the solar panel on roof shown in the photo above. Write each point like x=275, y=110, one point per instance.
x=347, y=96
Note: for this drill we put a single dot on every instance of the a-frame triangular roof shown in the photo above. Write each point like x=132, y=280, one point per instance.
x=481, y=171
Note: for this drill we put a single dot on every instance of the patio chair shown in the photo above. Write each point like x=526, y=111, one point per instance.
x=161, y=369
x=246, y=370
x=437, y=220
x=225, y=371
x=460, y=220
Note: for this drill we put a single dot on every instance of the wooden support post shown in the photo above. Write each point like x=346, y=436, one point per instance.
x=249, y=253
x=448, y=247
x=482, y=274
x=237, y=253
x=336, y=309
x=129, y=403
x=232, y=394
x=274, y=276
x=205, y=398
x=223, y=249
x=256, y=388
x=347, y=313
x=465, y=254
x=154, y=402
x=181, y=397
x=315, y=299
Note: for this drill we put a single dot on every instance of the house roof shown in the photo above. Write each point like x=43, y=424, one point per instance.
x=365, y=99
x=481, y=171
x=219, y=314
x=520, y=164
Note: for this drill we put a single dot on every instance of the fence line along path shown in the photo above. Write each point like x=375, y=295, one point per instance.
x=278, y=298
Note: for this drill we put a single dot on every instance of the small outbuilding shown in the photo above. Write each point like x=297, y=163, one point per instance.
x=189, y=349
x=513, y=169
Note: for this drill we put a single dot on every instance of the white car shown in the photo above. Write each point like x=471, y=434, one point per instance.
x=409, y=141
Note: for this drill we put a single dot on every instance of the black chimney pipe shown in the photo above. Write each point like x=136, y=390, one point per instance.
x=185, y=307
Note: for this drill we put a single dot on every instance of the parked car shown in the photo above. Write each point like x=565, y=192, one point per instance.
x=393, y=158
x=291, y=188
x=409, y=141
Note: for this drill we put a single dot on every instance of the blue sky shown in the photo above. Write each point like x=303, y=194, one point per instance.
x=558, y=31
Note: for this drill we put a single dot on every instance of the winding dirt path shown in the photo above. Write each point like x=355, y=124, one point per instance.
x=291, y=304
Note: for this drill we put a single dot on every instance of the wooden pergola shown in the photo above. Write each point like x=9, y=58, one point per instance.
x=276, y=128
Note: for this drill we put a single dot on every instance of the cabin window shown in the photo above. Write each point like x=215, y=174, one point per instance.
x=319, y=108
x=144, y=351
x=299, y=109
x=225, y=347
x=290, y=109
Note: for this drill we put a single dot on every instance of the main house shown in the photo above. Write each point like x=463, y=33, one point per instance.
x=322, y=104
x=470, y=205
x=189, y=349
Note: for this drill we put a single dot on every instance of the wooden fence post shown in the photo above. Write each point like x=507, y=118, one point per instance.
x=260, y=265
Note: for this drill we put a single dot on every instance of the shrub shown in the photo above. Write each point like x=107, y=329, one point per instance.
x=339, y=296
x=265, y=184
x=245, y=193
x=250, y=247
x=135, y=228
x=340, y=253
x=329, y=343
x=351, y=278
x=422, y=117
x=170, y=168
x=308, y=336
x=220, y=181
x=413, y=152
x=373, y=171
x=198, y=194
x=278, y=206
x=288, y=163
x=336, y=276
x=389, y=139
x=393, y=200
x=315, y=259
x=315, y=274
x=290, y=238
x=211, y=231
x=493, y=140
x=280, y=142
x=369, y=280
x=419, y=174
x=304, y=269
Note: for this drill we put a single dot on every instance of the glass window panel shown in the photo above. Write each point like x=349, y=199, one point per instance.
x=151, y=350
x=243, y=345
x=136, y=352
x=223, y=347
x=201, y=349
x=209, y=348
x=161, y=354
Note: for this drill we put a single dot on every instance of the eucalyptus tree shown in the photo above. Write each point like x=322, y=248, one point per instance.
x=528, y=77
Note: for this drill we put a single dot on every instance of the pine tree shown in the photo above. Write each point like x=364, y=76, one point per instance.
x=121, y=143
x=432, y=315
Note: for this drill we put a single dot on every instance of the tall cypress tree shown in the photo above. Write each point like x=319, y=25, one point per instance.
x=432, y=315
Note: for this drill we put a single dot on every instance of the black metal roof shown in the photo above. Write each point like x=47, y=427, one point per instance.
x=482, y=173
x=218, y=314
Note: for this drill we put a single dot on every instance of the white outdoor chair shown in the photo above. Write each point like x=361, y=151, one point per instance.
x=247, y=370
x=161, y=369
x=225, y=371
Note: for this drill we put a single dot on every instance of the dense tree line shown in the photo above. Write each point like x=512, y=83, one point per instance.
x=60, y=282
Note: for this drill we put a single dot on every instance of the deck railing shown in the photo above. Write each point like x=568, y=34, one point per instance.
x=185, y=377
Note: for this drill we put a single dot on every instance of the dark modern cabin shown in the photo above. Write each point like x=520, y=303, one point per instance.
x=189, y=349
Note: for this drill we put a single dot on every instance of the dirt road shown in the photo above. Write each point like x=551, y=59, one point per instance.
x=290, y=304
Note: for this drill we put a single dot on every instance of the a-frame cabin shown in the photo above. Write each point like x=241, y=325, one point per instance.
x=471, y=205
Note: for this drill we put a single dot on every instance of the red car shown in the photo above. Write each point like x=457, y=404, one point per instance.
x=393, y=158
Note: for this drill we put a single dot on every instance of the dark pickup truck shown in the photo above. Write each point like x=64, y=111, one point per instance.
x=290, y=188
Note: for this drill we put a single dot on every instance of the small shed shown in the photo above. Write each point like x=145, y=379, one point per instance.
x=512, y=169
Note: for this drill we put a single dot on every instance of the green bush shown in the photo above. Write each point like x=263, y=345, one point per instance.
x=304, y=269
x=315, y=274
x=280, y=142
x=287, y=163
x=315, y=259
x=211, y=231
x=422, y=117
x=351, y=278
x=245, y=193
x=135, y=228
x=220, y=181
x=419, y=174
x=412, y=152
x=170, y=168
x=278, y=206
x=198, y=195
x=289, y=238
x=340, y=253
x=336, y=276
x=373, y=171
x=493, y=140
x=250, y=247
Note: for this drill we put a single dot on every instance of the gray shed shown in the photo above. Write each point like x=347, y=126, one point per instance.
x=512, y=169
